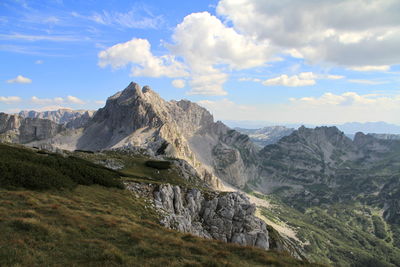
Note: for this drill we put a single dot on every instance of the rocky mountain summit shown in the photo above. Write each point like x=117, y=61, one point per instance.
x=139, y=118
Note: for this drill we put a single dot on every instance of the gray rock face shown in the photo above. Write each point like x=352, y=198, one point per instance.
x=16, y=129
x=70, y=118
x=386, y=136
x=227, y=217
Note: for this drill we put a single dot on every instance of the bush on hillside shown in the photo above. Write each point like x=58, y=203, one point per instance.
x=21, y=167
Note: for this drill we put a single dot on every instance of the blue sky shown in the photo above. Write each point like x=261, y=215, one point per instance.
x=278, y=61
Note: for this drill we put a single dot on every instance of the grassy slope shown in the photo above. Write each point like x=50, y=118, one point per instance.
x=105, y=226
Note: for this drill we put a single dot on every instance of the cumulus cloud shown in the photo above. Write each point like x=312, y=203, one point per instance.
x=75, y=100
x=371, y=68
x=138, y=53
x=207, y=56
x=10, y=99
x=178, y=83
x=367, y=33
x=46, y=101
x=214, y=44
x=302, y=79
x=208, y=83
x=19, y=79
x=245, y=79
x=349, y=99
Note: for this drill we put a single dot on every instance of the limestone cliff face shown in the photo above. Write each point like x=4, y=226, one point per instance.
x=227, y=217
x=16, y=129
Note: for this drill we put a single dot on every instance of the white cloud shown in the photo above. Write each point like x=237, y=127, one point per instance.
x=215, y=43
x=244, y=79
x=369, y=82
x=20, y=79
x=46, y=101
x=371, y=68
x=366, y=33
x=10, y=99
x=214, y=46
x=303, y=79
x=178, y=83
x=349, y=99
x=134, y=19
x=138, y=53
x=28, y=37
x=332, y=77
x=75, y=100
x=208, y=83
x=208, y=55
x=39, y=61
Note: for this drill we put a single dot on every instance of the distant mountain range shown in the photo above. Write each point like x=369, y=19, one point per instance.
x=350, y=128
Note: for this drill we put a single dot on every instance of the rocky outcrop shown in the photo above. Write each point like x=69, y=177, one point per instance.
x=16, y=129
x=68, y=117
x=227, y=217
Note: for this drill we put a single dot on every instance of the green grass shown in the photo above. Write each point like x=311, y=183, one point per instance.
x=39, y=170
x=144, y=169
x=345, y=234
x=99, y=226
x=95, y=222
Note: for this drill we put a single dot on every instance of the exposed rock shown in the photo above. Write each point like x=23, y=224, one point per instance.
x=111, y=164
x=228, y=217
x=68, y=117
x=386, y=136
x=16, y=129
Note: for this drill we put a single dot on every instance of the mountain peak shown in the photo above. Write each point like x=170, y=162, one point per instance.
x=131, y=90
